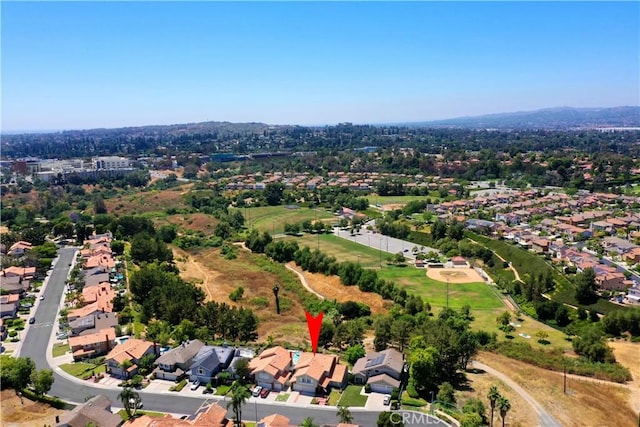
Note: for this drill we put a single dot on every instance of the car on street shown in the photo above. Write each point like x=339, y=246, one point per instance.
x=133, y=403
x=195, y=385
x=264, y=393
x=387, y=399
x=32, y=320
x=256, y=391
x=41, y=297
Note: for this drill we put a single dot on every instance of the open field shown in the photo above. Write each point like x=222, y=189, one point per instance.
x=486, y=320
x=257, y=275
x=194, y=221
x=148, y=201
x=628, y=354
x=386, y=200
x=273, y=218
x=477, y=295
x=27, y=413
x=342, y=249
x=331, y=288
x=479, y=383
x=454, y=275
x=587, y=403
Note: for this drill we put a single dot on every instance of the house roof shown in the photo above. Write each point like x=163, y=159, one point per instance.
x=274, y=420
x=95, y=337
x=181, y=354
x=390, y=357
x=384, y=379
x=278, y=358
x=95, y=410
x=19, y=271
x=132, y=348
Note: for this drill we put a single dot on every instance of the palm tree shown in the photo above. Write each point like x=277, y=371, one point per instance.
x=344, y=414
x=503, y=407
x=129, y=399
x=493, y=397
x=239, y=395
x=308, y=422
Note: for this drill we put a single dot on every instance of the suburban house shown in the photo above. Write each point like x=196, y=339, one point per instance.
x=129, y=352
x=87, y=310
x=209, y=361
x=540, y=245
x=101, y=292
x=611, y=281
x=381, y=370
x=317, y=373
x=271, y=368
x=94, y=344
x=92, y=323
x=209, y=415
x=25, y=273
x=95, y=411
x=175, y=363
x=274, y=420
x=19, y=248
x=633, y=256
x=9, y=305
x=14, y=284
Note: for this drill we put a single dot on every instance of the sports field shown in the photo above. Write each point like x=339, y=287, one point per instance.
x=478, y=295
x=273, y=218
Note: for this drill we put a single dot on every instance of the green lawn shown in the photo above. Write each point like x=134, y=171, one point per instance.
x=386, y=200
x=334, y=397
x=273, y=218
x=351, y=397
x=125, y=417
x=342, y=249
x=282, y=397
x=222, y=390
x=477, y=295
x=60, y=349
x=81, y=370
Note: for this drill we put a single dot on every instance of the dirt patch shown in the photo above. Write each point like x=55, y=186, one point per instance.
x=148, y=201
x=331, y=288
x=521, y=413
x=26, y=413
x=195, y=221
x=219, y=277
x=393, y=206
x=628, y=355
x=4, y=229
x=587, y=403
x=454, y=275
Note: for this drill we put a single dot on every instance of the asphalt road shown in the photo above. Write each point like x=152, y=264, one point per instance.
x=73, y=390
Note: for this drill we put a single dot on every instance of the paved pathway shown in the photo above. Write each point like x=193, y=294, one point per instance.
x=544, y=418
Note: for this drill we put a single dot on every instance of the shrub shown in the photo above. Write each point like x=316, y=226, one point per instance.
x=13, y=334
x=236, y=294
x=367, y=388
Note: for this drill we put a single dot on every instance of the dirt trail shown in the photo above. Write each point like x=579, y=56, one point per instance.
x=303, y=280
x=192, y=269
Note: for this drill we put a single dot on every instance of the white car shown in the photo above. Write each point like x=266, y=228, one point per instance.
x=41, y=297
x=256, y=391
x=387, y=399
x=195, y=385
x=132, y=402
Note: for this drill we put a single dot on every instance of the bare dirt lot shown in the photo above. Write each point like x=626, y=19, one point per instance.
x=454, y=275
x=27, y=413
x=331, y=288
x=219, y=277
x=628, y=355
x=194, y=221
x=148, y=201
x=586, y=403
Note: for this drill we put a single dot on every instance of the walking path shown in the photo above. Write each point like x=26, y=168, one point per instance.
x=544, y=418
x=304, y=282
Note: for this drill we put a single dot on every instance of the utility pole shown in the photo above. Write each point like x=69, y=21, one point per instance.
x=275, y=290
x=564, y=385
x=447, y=292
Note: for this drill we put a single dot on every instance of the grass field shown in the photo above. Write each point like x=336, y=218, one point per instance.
x=80, y=370
x=415, y=280
x=60, y=349
x=342, y=249
x=388, y=200
x=351, y=397
x=273, y=218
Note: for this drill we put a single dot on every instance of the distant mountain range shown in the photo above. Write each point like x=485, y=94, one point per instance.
x=548, y=118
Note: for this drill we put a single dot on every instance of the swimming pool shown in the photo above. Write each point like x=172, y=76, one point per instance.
x=295, y=356
x=122, y=339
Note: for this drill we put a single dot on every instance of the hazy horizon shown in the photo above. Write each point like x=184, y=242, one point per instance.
x=87, y=65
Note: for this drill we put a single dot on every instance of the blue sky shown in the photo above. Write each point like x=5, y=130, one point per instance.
x=109, y=64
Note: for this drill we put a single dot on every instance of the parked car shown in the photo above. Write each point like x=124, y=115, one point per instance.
x=32, y=320
x=387, y=399
x=41, y=297
x=195, y=385
x=264, y=393
x=132, y=402
x=256, y=391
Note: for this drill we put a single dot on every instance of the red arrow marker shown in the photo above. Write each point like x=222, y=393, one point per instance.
x=314, y=324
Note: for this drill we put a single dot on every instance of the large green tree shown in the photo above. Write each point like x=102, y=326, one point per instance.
x=239, y=396
x=42, y=381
